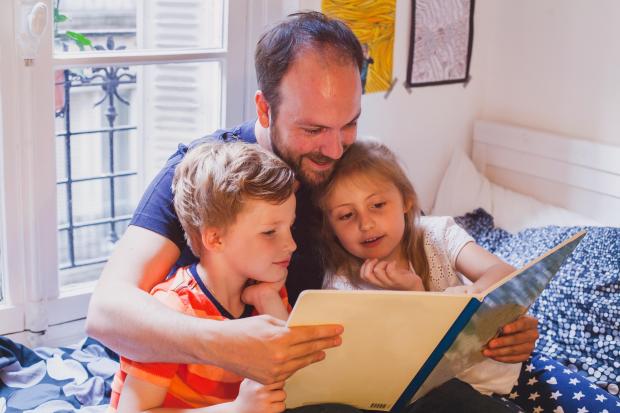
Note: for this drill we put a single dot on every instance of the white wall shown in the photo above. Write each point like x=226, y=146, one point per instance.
x=424, y=126
x=554, y=65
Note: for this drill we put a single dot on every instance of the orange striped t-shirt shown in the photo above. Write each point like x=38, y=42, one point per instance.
x=189, y=385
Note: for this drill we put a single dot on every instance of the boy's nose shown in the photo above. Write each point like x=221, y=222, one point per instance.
x=290, y=245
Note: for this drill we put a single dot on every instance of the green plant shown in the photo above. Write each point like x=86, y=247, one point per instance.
x=80, y=40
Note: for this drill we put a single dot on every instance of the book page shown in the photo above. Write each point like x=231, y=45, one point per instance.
x=388, y=336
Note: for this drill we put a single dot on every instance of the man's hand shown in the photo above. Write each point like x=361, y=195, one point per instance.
x=263, y=349
x=257, y=398
x=516, y=343
x=384, y=274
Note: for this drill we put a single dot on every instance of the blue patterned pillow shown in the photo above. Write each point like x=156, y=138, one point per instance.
x=579, y=312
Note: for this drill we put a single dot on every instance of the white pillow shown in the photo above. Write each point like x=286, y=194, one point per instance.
x=464, y=189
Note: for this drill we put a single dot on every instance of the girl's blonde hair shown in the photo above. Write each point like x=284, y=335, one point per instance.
x=214, y=179
x=373, y=160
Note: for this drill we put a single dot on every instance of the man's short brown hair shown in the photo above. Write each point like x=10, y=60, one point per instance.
x=279, y=46
x=215, y=178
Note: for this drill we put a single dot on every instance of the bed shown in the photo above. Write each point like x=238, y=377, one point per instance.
x=520, y=193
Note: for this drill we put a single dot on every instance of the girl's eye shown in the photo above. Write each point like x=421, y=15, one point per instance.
x=378, y=205
x=345, y=217
x=269, y=232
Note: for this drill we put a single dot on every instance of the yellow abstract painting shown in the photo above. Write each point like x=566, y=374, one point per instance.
x=372, y=21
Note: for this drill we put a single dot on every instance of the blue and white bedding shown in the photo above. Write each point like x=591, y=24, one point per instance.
x=46, y=380
x=579, y=312
x=576, y=366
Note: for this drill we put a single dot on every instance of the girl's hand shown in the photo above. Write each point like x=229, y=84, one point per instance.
x=258, y=398
x=385, y=275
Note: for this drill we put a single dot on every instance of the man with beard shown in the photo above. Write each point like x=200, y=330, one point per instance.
x=308, y=71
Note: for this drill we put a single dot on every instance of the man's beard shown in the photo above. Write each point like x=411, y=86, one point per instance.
x=313, y=179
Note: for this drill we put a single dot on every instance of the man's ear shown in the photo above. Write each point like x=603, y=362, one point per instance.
x=212, y=239
x=262, y=109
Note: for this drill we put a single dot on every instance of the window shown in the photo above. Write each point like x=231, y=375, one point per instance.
x=115, y=87
x=2, y=282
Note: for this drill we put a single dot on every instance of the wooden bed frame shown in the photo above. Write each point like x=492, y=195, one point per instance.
x=576, y=174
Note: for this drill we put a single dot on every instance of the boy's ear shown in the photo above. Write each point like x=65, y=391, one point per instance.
x=262, y=109
x=212, y=239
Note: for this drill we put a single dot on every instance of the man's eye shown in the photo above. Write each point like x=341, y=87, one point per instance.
x=313, y=131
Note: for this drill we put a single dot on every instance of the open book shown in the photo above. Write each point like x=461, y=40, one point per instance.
x=397, y=345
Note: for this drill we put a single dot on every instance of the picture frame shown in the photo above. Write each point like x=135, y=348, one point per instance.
x=441, y=42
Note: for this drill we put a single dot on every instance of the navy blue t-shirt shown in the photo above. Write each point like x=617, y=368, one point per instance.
x=156, y=212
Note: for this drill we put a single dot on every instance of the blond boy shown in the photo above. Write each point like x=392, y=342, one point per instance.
x=236, y=204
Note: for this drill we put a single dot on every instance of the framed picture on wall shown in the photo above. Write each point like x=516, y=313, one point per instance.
x=442, y=34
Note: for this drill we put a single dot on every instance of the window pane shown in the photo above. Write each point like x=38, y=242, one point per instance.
x=137, y=24
x=115, y=128
x=1, y=275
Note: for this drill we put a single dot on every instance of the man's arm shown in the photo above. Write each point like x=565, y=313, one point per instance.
x=130, y=321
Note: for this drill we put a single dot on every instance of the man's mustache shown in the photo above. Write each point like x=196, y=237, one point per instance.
x=319, y=158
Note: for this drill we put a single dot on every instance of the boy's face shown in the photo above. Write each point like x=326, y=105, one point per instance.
x=367, y=215
x=259, y=244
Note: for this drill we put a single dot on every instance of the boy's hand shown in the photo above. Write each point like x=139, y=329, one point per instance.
x=516, y=343
x=384, y=274
x=255, y=293
x=258, y=398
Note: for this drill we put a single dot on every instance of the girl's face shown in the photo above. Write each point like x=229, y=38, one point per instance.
x=367, y=214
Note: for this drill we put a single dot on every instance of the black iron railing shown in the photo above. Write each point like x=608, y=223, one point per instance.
x=108, y=79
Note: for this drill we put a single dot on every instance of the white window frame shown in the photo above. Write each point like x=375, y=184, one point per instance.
x=37, y=311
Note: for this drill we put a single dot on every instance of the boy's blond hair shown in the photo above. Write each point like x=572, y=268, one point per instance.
x=215, y=178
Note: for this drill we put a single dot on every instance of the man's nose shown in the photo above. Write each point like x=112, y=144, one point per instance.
x=332, y=145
